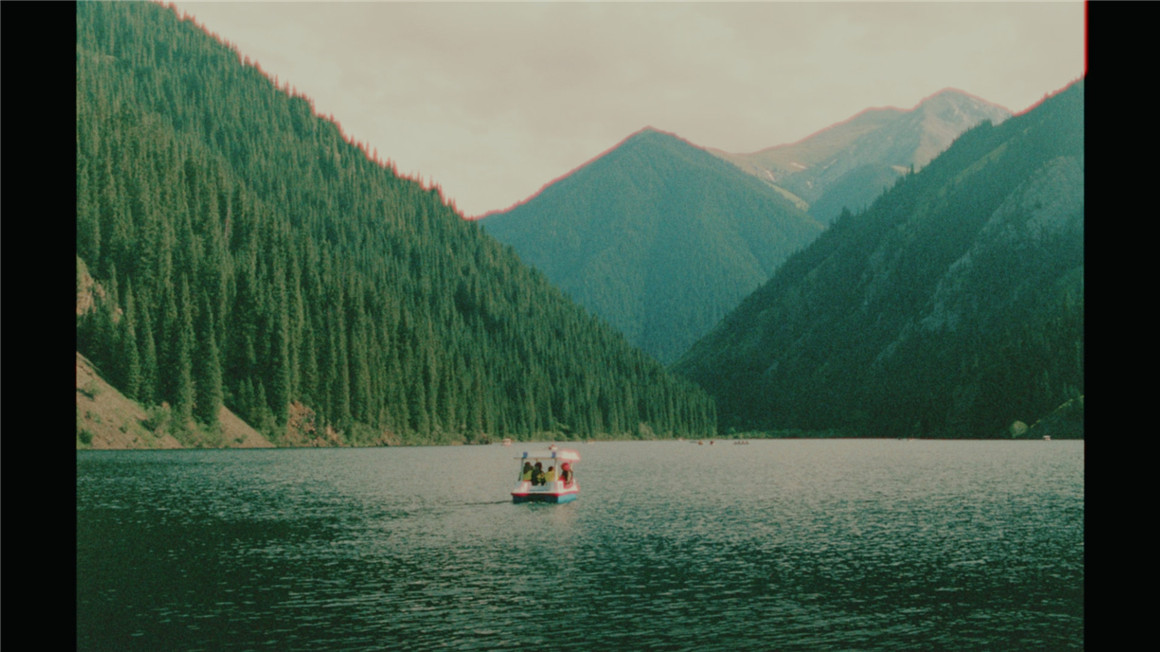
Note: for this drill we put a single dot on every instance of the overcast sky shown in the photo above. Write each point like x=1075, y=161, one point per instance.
x=493, y=100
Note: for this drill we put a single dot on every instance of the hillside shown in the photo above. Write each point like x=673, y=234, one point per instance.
x=657, y=237
x=107, y=420
x=849, y=164
x=251, y=256
x=952, y=306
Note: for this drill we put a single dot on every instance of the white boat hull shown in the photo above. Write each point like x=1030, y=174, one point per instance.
x=553, y=492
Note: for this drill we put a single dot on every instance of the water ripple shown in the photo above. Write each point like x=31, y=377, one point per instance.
x=792, y=545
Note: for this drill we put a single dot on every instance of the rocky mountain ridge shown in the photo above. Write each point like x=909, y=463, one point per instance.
x=852, y=162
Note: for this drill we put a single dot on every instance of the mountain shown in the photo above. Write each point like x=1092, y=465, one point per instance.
x=849, y=164
x=252, y=256
x=657, y=237
x=952, y=306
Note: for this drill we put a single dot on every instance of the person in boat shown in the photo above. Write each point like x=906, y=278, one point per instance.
x=550, y=476
x=538, y=474
x=566, y=474
x=526, y=473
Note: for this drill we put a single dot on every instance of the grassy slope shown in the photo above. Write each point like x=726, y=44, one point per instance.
x=106, y=419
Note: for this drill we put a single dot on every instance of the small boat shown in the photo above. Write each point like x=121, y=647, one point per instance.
x=562, y=488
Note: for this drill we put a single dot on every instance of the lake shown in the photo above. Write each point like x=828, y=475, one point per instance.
x=771, y=545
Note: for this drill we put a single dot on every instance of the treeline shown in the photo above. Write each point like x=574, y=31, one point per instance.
x=251, y=255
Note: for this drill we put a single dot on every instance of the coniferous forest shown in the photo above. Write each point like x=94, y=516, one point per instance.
x=658, y=237
x=251, y=255
x=952, y=307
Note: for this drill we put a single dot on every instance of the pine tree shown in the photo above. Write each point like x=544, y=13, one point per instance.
x=279, y=357
x=209, y=396
x=214, y=199
x=182, y=369
x=129, y=350
x=148, y=390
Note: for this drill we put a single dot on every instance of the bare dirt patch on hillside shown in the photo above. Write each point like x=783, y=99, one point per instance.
x=108, y=420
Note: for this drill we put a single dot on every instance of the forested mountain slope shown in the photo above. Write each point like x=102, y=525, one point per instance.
x=953, y=306
x=253, y=256
x=658, y=237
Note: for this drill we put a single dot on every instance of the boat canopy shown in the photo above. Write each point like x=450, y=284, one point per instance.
x=563, y=454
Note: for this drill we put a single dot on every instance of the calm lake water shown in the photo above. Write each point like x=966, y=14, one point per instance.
x=773, y=545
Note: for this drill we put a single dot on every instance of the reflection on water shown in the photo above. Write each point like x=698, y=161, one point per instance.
x=776, y=545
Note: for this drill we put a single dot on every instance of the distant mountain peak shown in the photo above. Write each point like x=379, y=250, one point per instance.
x=951, y=104
x=851, y=162
x=956, y=95
x=657, y=236
x=648, y=129
x=653, y=134
x=645, y=134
